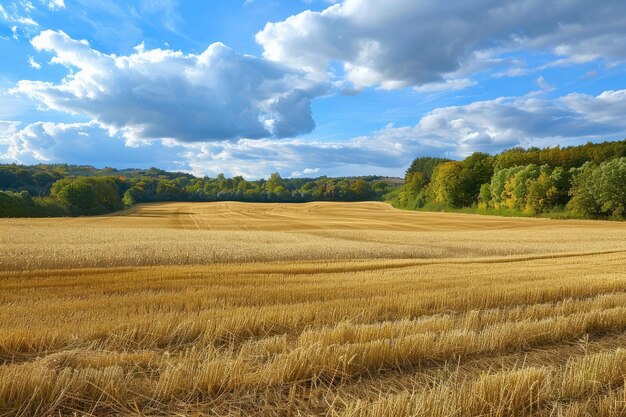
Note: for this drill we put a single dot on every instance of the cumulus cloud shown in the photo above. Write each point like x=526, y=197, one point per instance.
x=84, y=143
x=399, y=43
x=215, y=95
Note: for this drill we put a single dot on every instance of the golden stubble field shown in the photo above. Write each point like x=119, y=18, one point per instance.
x=339, y=309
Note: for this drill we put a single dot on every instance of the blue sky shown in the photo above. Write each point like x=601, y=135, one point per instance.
x=305, y=88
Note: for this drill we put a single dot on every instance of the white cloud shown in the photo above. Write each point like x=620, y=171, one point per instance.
x=608, y=107
x=260, y=158
x=14, y=15
x=33, y=63
x=399, y=43
x=491, y=126
x=157, y=93
x=545, y=86
x=447, y=85
x=305, y=172
x=7, y=130
x=512, y=72
x=84, y=143
x=570, y=60
x=55, y=4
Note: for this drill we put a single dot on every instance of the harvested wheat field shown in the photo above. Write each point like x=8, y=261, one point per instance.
x=338, y=309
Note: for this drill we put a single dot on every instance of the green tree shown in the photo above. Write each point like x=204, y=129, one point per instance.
x=87, y=195
x=79, y=196
x=498, y=187
x=43, y=178
x=168, y=190
x=539, y=193
x=274, y=181
x=477, y=170
x=426, y=165
x=445, y=186
x=361, y=190
x=600, y=190
x=412, y=194
x=485, y=198
x=517, y=185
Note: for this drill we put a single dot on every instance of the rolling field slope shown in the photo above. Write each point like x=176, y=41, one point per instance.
x=339, y=309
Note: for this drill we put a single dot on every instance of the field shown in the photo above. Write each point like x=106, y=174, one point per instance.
x=339, y=309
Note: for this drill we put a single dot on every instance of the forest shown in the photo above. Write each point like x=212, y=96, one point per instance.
x=70, y=190
x=586, y=181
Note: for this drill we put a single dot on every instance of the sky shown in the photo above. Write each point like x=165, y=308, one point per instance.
x=304, y=88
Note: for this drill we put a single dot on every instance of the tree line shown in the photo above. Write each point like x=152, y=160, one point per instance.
x=70, y=190
x=579, y=181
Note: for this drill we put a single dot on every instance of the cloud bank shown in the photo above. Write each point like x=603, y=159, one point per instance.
x=487, y=126
x=399, y=43
x=216, y=95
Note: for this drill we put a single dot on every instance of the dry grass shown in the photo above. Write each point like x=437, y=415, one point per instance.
x=205, y=233
x=385, y=313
